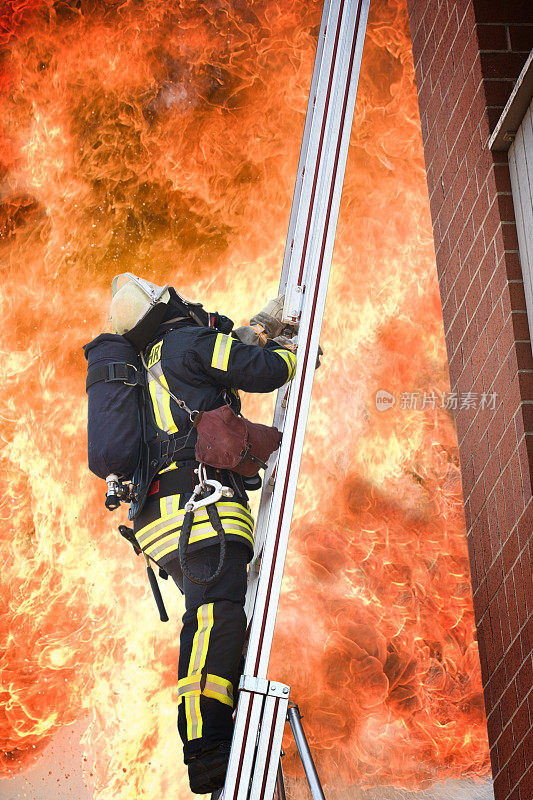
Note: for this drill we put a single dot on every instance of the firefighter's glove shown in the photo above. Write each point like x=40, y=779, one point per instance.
x=292, y=344
x=249, y=334
x=270, y=319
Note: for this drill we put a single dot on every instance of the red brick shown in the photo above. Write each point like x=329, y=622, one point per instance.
x=509, y=235
x=525, y=526
x=516, y=766
x=510, y=552
x=508, y=445
x=502, y=178
x=458, y=325
x=516, y=483
x=514, y=299
x=494, y=722
x=492, y=224
x=520, y=723
x=525, y=380
x=525, y=563
x=481, y=595
x=524, y=679
x=498, y=92
x=505, y=745
x=520, y=325
x=524, y=355
x=477, y=498
x=514, y=659
x=511, y=598
x=509, y=703
x=492, y=470
x=501, y=784
x=503, y=617
x=520, y=594
x=512, y=265
x=511, y=11
x=502, y=65
x=495, y=576
x=492, y=37
x=526, y=782
x=473, y=297
x=478, y=605
x=505, y=207
x=496, y=428
x=521, y=38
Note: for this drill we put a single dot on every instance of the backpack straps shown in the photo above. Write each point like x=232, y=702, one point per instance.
x=117, y=371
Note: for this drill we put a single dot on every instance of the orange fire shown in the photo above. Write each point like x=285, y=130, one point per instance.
x=163, y=138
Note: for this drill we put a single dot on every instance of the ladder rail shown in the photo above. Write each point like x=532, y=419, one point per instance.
x=306, y=265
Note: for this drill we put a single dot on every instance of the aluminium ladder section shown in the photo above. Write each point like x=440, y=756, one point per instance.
x=263, y=704
x=282, y=396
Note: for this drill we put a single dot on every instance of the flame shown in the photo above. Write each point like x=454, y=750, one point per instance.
x=164, y=139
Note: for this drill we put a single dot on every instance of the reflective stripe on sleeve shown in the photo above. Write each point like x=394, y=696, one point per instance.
x=290, y=360
x=221, y=352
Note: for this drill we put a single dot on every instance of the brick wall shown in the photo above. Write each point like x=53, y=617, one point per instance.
x=468, y=55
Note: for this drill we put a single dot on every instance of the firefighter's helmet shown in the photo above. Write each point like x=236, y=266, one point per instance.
x=137, y=308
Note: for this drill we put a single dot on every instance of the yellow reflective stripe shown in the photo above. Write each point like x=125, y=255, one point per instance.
x=170, y=425
x=170, y=522
x=166, y=546
x=215, y=687
x=169, y=505
x=201, y=638
x=216, y=694
x=169, y=525
x=290, y=359
x=225, y=508
x=236, y=530
x=193, y=716
x=152, y=385
x=216, y=349
x=225, y=514
x=197, y=659
x=189, y=685
x=221, y=352
x=167, y=469
x=219, y=689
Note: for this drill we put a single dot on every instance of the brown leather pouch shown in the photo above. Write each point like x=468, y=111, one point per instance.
x=228, y=441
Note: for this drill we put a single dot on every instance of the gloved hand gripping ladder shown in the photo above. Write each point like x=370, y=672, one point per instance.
x=254, y=768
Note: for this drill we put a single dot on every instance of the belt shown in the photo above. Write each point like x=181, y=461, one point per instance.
x=181, y=480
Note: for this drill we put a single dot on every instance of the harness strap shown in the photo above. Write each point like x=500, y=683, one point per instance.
x=116, y=371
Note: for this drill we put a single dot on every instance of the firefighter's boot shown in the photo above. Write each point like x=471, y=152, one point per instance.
x=207, y=771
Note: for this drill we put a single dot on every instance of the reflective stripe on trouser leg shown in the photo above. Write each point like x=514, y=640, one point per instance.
x=210, y=652
x=197, y=659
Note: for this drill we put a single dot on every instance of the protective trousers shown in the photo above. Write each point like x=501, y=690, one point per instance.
x=212, y=637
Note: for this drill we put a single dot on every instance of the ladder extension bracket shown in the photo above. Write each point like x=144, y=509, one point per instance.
x=249, y=683
x=292, y=307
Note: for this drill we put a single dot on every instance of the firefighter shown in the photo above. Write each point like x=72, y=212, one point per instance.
x=202, y=361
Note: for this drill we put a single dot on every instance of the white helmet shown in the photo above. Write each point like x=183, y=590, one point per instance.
x=137, y=307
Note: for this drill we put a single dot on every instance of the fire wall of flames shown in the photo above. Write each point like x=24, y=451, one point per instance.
x=163, y=138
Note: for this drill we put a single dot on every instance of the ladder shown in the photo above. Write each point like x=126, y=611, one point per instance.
x=254, y=769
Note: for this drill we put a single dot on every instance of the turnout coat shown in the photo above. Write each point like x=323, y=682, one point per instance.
x=204, y=368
